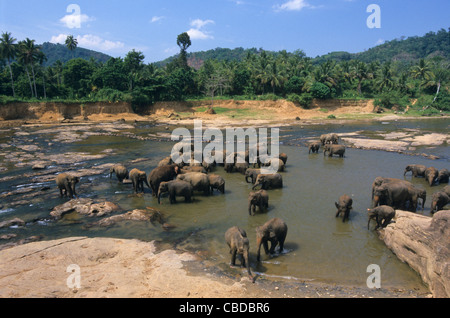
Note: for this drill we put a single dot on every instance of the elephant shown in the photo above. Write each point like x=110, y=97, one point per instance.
x=283, y=157
x=258, y=199
x=176, y=188
x=397, y=195
x=334, y=150
x=382, y=214
x=447, y=189
x=251, y=173
x=273, y=162
x=381, y=180
x=216, y=182
x=165, y=162
x=67, y=182
x=273, y=231
x=138, y=178
x=329, y=139
x=443, y=176
x=431, y=175
x=121, y=172
x=187, y=169
x=314, y=147
x=160, y=174
x=238, y=243
x=198, y=180
x=344, y=206
x=439, y=200
x=241, y=167
x=268, y=181
x=416, y=170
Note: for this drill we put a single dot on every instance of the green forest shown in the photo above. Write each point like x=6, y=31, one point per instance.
x=412, y=72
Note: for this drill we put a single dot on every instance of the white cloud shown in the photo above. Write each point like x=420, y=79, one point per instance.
x=293, y=5
x=156, y=19
x=198, y=23
x=90, y=41
x=196, y=34
x=380, y=41
x=73, y=21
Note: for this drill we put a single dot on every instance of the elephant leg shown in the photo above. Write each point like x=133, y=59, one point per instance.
x=233, y=257
x=266, y=247
x=272, y=246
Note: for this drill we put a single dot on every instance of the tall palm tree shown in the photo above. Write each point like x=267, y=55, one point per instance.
x=274, y=76
x=8, y=51
x=71, y=44
x=385, y=77
x=28, y=55
x=361, y=73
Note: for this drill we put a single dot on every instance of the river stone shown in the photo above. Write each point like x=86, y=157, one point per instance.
x=148, y=215
x=424, y=244
x=13, y=222
x=84, y=206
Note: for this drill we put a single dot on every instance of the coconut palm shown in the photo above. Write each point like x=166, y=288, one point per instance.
x=28, y=54
x=8, y=51
x=71, y=44
x=361, y=73
x=423, y=72
x=385, y=78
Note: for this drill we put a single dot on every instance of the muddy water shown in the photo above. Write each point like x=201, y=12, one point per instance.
x=318, y=247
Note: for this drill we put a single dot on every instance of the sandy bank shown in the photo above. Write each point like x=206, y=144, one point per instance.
x=123, y=268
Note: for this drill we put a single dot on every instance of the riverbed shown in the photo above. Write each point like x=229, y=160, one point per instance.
x=319, y=247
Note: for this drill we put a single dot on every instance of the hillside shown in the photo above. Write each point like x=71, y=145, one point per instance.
x=404, y=49
x=55, y=52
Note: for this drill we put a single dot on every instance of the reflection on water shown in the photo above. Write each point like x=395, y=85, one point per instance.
x=318, y=245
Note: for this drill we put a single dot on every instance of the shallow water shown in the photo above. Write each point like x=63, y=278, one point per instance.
x=318, y=245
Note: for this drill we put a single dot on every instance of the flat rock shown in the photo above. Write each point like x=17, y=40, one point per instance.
x=85, y=207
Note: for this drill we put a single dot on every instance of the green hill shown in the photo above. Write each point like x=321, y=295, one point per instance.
x=55, y=52
x=404, y=49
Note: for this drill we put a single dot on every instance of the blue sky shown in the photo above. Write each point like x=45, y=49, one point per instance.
x=115, y=27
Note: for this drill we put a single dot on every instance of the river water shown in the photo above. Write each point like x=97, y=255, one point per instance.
x=319, y=247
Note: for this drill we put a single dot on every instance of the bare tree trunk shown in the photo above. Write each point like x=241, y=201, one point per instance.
x=12, y=80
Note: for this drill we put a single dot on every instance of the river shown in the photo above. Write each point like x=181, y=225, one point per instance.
x=319, y=247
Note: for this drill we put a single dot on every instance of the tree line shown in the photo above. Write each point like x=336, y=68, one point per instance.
x=259, y=75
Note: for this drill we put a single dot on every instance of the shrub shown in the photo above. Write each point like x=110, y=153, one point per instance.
x=320, y=91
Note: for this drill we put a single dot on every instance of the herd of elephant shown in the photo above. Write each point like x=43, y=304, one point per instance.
x=181, y=180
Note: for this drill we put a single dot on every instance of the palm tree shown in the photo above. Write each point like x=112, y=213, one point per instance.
x=71, y=44
x=28, y=55
x=361, y=73
x=8, y=52
x=274, y=76
x=385, y=78
x=423, y=72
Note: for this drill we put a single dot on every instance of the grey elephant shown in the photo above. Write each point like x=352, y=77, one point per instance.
x=283, y=157
x=258, y=199
x=382, y=214
x=198, y=180
x=381, y=181
x=160, y=174
x=216, y=182
x=138, y=178
x=120, y=170
x=416, y=170
x=268, y=181
x=239, y=244
x=443, y=176
x=439, y=200
x=398, y=195
x=273, y=161
x=252, y=174
x=314, y=147
x=431, y=175
x=176, y=188
x=447, y=189
x=344, y=205
x=338, y=150
x=273, y=231
x=66, y=182
x=331, y=138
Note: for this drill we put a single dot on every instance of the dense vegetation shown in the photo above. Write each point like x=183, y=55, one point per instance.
x=394, y=74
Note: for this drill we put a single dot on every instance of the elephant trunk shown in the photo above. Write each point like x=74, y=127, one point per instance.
x=423, y=202
x=146, y=182
x=247, y=263
x=159, y=197
x=258, y=254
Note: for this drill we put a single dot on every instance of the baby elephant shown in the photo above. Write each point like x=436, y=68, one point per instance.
x=273, y=231
x=344, y=206
x=67, y=182
x=314, y=147
x=120, y=171
x=439, y=200
x=382, y=214
x=138, y=178
x=258, y=199
x=238, y=243
x=176, y=188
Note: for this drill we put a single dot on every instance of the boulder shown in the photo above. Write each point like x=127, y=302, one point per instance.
x=13, y=222
x=84, y=206
x=423, y=243
x=148, y=215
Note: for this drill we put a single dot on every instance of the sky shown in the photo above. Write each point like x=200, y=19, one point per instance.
x=116, y=27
